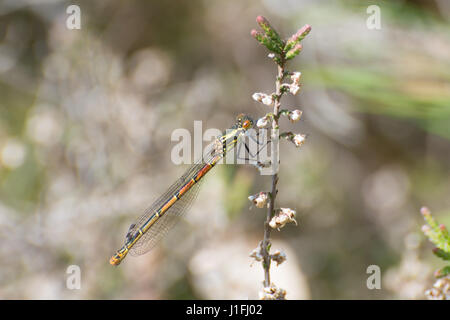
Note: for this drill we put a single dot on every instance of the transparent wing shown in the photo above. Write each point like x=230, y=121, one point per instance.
x=168, y=220
x=162, y=226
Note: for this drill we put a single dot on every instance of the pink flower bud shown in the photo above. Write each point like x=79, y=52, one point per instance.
x=425, y=211
x=261, y=20
x=301, y=33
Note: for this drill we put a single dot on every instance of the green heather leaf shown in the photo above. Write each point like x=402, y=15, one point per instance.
x=265, y=41
x=442, y=272
x=441, y=254
x=297, y=37
x=270, y=32
x=294, y=52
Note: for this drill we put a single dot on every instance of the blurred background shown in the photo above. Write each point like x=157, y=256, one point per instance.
x=86, y=118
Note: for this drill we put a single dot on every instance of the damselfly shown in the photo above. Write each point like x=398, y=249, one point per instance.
x=156, y=221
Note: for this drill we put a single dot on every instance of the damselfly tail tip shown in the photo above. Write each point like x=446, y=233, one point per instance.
x=116, y=259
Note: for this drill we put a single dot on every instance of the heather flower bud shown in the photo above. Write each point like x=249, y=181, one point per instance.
x=272, y=293
x=256, y=254
x=262, y=122
x=295, y=77
x=425, y=211
x=288, y=212
x=264, y=98
x=257, y=96
x=440, y=283
x=440, y=290
x=278, y=256
x=294, y=51
x=255, y=34
x=283, y=216
x=299, y=139
x=297, y=37
x=294, y=88
x=259, y=199
x=301, y=33
x=267, y=100
x=295, y=115
x=262, y=21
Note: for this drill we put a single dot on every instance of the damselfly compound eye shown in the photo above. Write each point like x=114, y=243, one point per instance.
x=246, y=124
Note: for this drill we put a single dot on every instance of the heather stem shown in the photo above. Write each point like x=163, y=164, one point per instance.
x=273, y=192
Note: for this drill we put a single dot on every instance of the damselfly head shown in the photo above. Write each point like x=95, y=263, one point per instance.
x=244, y=121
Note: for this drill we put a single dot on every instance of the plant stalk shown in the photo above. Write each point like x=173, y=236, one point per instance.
x=273, y=192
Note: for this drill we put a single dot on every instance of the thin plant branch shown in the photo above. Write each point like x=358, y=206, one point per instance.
x=281, y=52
